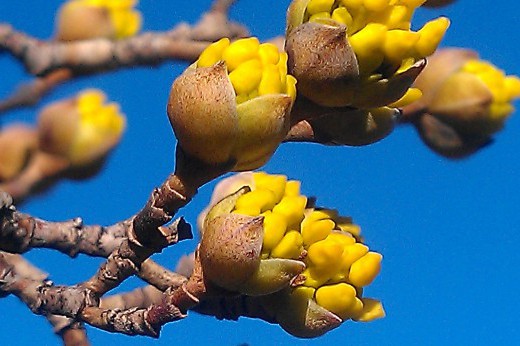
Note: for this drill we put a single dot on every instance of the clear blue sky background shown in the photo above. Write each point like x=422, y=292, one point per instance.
x=449, y=231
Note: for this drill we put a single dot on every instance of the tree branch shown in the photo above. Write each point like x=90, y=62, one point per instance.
x=20, y=233
x=21, y=278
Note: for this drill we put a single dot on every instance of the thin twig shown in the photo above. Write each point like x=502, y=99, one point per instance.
x=20, y=233
x=30, y=93
x=21, y=278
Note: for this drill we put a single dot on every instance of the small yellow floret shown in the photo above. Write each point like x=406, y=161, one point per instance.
x=241, y=51
x=352, y=253
x=274, y=230
x=292, y=188
x=291, y=86
x=249, y=210
x=399, y=45
x=271, y=81
x=313, y=231
x=317, y=6
x=365, y=269
x=341, y=15
x=262, y=199
x=291, y=207
x=325, y=254
x=319, y=16
x=302, y=294
x=213, y=53
x=340, y=299
x=272, y=182
x=246, y=77
x=368, y=44
x=342, y=238
x=291, y=246
x=269, y=54
x=431, y=35
x=321, y=214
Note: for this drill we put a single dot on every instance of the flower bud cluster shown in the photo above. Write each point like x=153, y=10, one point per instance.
x=379, y=31
x=254, y=69
x=504, y=89
x=233, y=104
x=385, y=50
x=465, y=97
x=336, y=265
x=82, y=129
x=86, y=19
x=75, y=133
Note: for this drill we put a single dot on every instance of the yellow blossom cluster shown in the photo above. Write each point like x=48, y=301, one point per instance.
x=126, y=20
x=338, y=264
x=505, y=89
x=379, y=31
x=83, y=129
x=379, y=34
x=98, y=120
x=254, y=69
x=83, y=19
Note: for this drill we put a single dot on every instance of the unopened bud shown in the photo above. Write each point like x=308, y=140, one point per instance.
x=83, y=129
x=233, y=104
x=305, y=261
x=230, y=252
x=471, y=98
x=87, y=19
x=377, y=61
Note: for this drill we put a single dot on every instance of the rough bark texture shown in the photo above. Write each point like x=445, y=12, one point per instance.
x=21, y=278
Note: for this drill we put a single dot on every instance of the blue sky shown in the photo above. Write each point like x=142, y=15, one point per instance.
x=448, y=230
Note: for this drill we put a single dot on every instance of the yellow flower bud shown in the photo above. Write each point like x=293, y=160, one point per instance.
x=309, y=263
x=275, y=226
x=233, y=104
x=274, y=183
x=291, y=246
x=340, y=299
x=230, y=251
x=470, y=100
x=291, y=207
x=87, y=19
x=83, y=129
x=313, y=231
x=364, y=270
x=17, y=142
x=363, y=53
